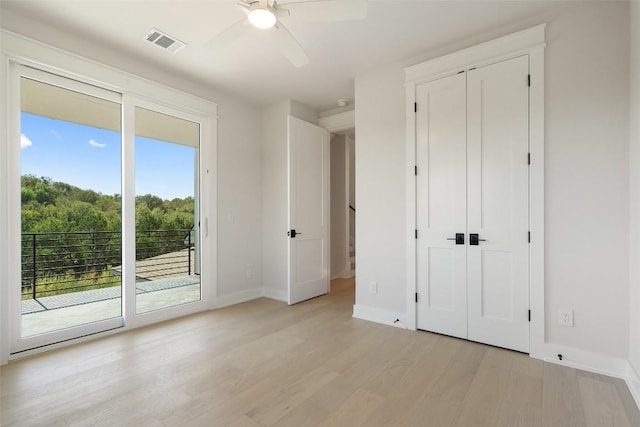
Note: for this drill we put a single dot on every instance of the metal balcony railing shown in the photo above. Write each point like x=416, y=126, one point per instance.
x=65, y=262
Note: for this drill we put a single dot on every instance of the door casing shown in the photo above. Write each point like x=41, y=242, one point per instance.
x=527, y=42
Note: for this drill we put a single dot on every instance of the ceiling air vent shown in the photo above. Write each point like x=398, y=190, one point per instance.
x=165, y=41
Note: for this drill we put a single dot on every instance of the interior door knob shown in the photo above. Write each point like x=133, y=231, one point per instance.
x=293, y=233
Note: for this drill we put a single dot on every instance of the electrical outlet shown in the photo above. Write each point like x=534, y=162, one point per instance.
x=565, y=317
x=373, y=288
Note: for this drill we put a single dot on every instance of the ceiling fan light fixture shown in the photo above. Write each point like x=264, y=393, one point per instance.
x=262, y=18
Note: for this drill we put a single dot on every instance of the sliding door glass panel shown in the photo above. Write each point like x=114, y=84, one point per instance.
x=71, y=208
x=167, y=206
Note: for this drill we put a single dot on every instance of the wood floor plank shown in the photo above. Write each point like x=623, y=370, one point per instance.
x=219, y=414
x=602, y=406
x=305, y=414
x=264, y=363
x=401, y=406
x=522, y=402
x=629, y=404
x=481, y=405
x=443, y=400
x=355, y=410
x=561, y=398
x=289, y=397
x=359, y=371
x=519, y=414
x=391, y=377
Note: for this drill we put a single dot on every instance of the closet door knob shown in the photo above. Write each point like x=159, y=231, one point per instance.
x=474, y=239
x=459, y=238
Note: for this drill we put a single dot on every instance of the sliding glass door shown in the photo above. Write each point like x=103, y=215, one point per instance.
x=108, y=223
x=166, y=208
x=70, y=138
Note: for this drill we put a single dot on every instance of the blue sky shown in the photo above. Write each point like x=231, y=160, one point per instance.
x=89, y=158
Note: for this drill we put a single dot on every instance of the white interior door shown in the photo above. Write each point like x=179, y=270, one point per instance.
x=498, y=183
x=441, y=207
x=473, y=180
x=308, y=210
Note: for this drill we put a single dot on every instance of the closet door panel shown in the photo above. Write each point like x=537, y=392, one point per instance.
x=441, y=205
x=498, y=192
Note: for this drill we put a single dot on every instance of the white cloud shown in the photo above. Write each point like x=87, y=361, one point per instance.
x=25, y=141
x=55, y=134
x=94, y=143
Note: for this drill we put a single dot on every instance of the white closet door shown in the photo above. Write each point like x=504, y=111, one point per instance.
x=498, y=191
x=441, y=205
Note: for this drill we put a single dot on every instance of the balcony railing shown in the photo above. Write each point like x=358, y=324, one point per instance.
x=65, y=262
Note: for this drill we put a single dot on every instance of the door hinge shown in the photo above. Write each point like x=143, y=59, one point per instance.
x=415, y=107
x=415, y=170
x=529, y=237
x=528, y=158
x=529, y=315
x=416, y=230
x=416, y=297
x=529, y=80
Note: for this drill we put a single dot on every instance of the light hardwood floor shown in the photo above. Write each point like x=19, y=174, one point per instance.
x=263, y=363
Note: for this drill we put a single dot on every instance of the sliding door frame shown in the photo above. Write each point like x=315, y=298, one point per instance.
x=17, y=50
x=14, y=276
x=132, y=319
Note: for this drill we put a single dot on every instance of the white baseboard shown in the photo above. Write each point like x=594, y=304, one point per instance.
x=237, y=297
x=273, y=293
x=346, y=273
x=380, y=316
x=583, y=359
x=248, y=295
x=633, y=382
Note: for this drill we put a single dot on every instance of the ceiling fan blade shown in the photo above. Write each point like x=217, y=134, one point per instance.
x=245, y=5
x=326, y=10
x=290, y=46
x=230, y=35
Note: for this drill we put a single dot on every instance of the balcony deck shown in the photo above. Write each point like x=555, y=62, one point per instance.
x=62, y=311
x=69, y=278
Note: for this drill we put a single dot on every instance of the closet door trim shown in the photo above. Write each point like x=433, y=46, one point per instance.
x=529, y=42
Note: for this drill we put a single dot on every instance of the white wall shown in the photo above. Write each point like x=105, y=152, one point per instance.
x=239, y=155
x=340, y=265
x=586, y=107
x=351, y=148
x=380, y=195
x=274, y=196
x=634, y=258
x=239, y=200
x=587, y=83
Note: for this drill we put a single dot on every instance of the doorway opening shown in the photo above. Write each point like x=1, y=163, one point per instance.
x=343, y=205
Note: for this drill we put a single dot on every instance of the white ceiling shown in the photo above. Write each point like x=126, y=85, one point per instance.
x=253, y=68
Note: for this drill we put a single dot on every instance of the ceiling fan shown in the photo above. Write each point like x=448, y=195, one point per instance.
x=267, y=14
